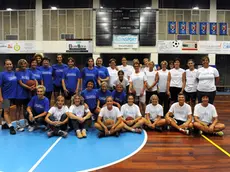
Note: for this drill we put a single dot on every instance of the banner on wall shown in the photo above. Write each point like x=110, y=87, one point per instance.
x=192, y=28
x=223, y=29
x=125, y=41
x=203, y=28
x=79, y=46
x=212, y=28
x=171, y=27
x=182, y=27
x=18, y=47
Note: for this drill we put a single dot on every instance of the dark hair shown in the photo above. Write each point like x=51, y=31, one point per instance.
x=71, y=58
x=131, y=96
x=112, y=59
x=45, y=58
x=60, y=55
x=191, y=60
x=90, y=58
x=177, y=59
x=7, y=60
x=98, y=59
x=181, y=94
x=171, y=62
x=205, y=57
x=120, y=71
x=89, y=81
x=32, y=60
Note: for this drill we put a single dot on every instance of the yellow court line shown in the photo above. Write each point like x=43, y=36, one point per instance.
x=217, y=146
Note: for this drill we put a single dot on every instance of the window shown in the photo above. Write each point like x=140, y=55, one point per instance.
x=68, y=3
x=17, y=4
x=125, y=3
x=188, y=4
x=223, y=4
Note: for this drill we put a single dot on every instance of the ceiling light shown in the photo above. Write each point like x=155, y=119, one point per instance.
x=9, y=9
x=101, y=7
x=195, y=8
x=53, y=8
x=148, y=7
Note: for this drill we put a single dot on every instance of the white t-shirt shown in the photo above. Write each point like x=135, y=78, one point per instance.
x=78, y=110
x=176, y=77
x=154, y=111
x=205, y=114
x=124, y=83
x=138, y=82
x=181, y=112
x=151, y=76
x=128, y=70
x=163, y=79
x=112, y=76
x=130, y=111
x=57, y=113
x=112, y=114
x=191, y=81
x=206, y=78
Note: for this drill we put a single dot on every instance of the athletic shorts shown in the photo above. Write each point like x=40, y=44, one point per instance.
x=174, y=91
x=69, y=96
x=20, y=102
x=7, y=103
x=190, y=96
x=58, y=89
x=179, y=122
x=141, y=99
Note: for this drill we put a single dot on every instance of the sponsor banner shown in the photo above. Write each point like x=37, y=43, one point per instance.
x=212, y=28
x=210, y=47
x=192, y=28
x=18, y=47
x=223, y=29
x=182, y=27
x=125, y=41
x=172, y=27
x=79, y=46
x=169, y=46
x=203, y=28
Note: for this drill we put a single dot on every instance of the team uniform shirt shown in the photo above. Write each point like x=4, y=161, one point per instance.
x=102, y=72
x=24, y=76
x=151, y=79
x=138, y=82
x=191, y=81
x=71, y=76
x=8, y=84
x=112, y=114
x=47, y=77
x=101, y=96
x=90, y=97
x=130, y=111
x=154, y=111
x=57, y=113
x=89, y=74
x=206, y=78
x=119, y=97
x=37, y=74
x=39, y=105
x=176, y=77
x=113, y=76
x=205, y=114
x=180, y=112
x=124, y=83
x=128, y=70
x=79, y=111
x=58, y=70
x=163, y=79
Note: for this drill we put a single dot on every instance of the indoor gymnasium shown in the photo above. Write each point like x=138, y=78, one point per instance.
x=114, y=85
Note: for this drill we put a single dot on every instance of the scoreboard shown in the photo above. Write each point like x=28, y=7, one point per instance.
x=141, y=22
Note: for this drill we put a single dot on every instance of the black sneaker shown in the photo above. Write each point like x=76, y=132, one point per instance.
x=12, y=130
x=5, y=126
x=62, y=133
x=101, y=134
x=159, y=129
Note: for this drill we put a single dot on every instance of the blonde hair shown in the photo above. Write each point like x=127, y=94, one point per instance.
x=39, y=54
x=41, y=87
x=20, y=62
x=58, y=98
x=105, y=84
x=164, y=62
x=77, y=95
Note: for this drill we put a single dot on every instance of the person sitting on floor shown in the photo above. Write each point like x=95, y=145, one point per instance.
x=154, y=114
x=132, y=117
x=206, y=118
x=57, y=118
x=182, y=115
x=80, y=116
x=37, y=109
x=109, y=120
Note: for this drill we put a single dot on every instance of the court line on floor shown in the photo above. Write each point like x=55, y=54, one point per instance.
x=44, y=155
x=122, y=159
x=217, y=146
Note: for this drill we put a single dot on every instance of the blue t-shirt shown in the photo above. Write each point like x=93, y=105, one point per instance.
x=37, y=75
x=101, y=96
x=89, y=74
x=71, y=76
x=39, y=105
x=119, y=97
x=102, y=72
x=90, y=98
x=8, y=84
x=58, y=73
x=24, y=76
x=47, y=77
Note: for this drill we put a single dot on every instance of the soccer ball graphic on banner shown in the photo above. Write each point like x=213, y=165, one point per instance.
x=175, y=44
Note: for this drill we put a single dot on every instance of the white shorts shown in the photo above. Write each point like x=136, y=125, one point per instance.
x=141, y=99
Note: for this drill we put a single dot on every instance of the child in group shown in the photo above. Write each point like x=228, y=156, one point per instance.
x=80, y=116
x=57, y=118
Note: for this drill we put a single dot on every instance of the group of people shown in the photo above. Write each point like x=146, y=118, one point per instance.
x=114, y=97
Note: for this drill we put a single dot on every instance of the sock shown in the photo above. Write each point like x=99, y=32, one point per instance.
x=78, y=130
x=10, y=125
x=133, y=130
x=3, y=122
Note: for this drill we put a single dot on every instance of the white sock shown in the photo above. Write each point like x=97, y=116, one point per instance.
x=133, y=130
x=3, y=122
x=10, y=125
x=78, y=131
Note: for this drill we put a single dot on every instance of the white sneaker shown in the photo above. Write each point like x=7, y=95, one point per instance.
x=19, y=127
x=31, y=128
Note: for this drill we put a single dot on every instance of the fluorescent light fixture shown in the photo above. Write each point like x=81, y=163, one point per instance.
x=195, y=8
x=101, y=7
x=148, y=8
x=53, y=8
x=9, y=9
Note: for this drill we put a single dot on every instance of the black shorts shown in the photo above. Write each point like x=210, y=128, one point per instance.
x=69, y=96
x=179, y=122
x=174, y=91
x=211, y=96
x=20, y=102
x=190, y=96
x=58, y=89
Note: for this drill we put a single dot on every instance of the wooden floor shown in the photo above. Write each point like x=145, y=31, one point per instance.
x=171, y=151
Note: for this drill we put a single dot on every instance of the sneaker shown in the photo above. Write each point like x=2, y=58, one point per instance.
x=83, y=132
x=62, y=133
x=12, y=130
x=184, y=131
x=79, y=135
x=219, y=133
x=50, y=133
x=169, y=127
x=200, y=132
x=101, y=134
x=158, y=129
x=117, y=134
x=5, y=126
x=20, y=128
x=31, y=128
